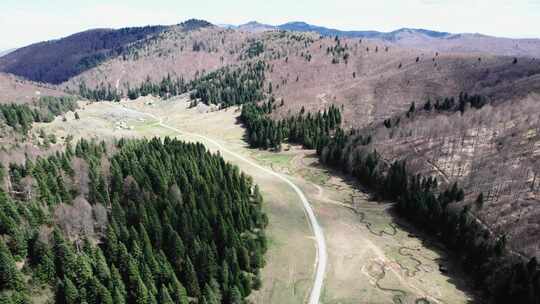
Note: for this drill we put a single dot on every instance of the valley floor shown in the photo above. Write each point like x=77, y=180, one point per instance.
x=372, y=256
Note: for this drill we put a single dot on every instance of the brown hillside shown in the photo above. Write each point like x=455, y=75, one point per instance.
x=492, y=150
x=380, y=87
x=16, y=90
x=174, y=52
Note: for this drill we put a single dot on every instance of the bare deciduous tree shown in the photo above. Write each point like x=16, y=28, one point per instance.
x=100, y=217
x=81, y=179
x=75, y=220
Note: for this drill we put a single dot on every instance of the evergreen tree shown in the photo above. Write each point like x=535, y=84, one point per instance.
x=10, y=277
x=192, y=284
x=71, y=295
x=139, y=293
x=164, y=297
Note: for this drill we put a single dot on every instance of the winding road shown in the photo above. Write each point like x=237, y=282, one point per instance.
x=321, y=257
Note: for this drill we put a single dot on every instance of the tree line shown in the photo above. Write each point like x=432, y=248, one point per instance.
x=504, y=276
x=167, y=87
x=226, y=86
x=166, y=222
x=21, y=116
x=306, y=129
x=99, y=93
x=462, y=103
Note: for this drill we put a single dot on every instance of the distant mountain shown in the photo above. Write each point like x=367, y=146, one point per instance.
x=255, y=26
x=418, y=38
x=305, y=27
x=299, y=26
x=57, y=61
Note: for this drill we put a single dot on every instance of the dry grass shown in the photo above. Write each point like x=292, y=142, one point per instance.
x=374, y=258
x=379, y=89
x=357, y=256
x=287, y=277
x=17, y=90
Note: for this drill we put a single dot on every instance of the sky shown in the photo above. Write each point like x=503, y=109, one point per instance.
x=23, y=22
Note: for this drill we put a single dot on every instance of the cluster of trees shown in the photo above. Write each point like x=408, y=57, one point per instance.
x=255, y=49
x=449, y=104
x=338, y=51
x=167, y=87
x=101, y=92
x=464, y=101
x=228, y=86
x=21, y=116
x=178, y=224
x=504, y=276
x=308, y=129
x=198, y=46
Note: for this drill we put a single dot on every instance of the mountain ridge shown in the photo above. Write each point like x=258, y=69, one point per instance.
x=55, y=61
x=7, y=51
x=418, y=38
x=329, y=31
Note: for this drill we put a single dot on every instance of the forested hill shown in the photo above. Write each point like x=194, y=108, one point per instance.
x=140, y=222
x=58, y=60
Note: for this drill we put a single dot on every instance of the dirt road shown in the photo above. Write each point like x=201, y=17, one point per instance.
x=322, y=257
x=363, y=255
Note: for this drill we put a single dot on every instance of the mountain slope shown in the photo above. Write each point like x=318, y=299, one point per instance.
x=419, y=38
x=5, y=52
x=173, y=52
x=369, y=81
x=14, y=89
x=305, y=27
x=58, y=60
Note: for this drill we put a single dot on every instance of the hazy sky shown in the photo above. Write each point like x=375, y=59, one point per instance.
x=26, y=21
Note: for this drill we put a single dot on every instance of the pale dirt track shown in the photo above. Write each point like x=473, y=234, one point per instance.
x=322, y=257
x=364, y=257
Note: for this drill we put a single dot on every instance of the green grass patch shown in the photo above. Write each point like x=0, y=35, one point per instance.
x=283, y=160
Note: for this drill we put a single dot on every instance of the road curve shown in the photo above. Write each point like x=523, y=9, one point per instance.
x=321, y=257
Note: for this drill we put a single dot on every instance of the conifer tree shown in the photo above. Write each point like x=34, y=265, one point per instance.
x=192, y=284
x=71, y=295
x=10, y=277
x=164, y=297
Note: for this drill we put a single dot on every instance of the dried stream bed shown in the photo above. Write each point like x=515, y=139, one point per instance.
x=372, y=256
